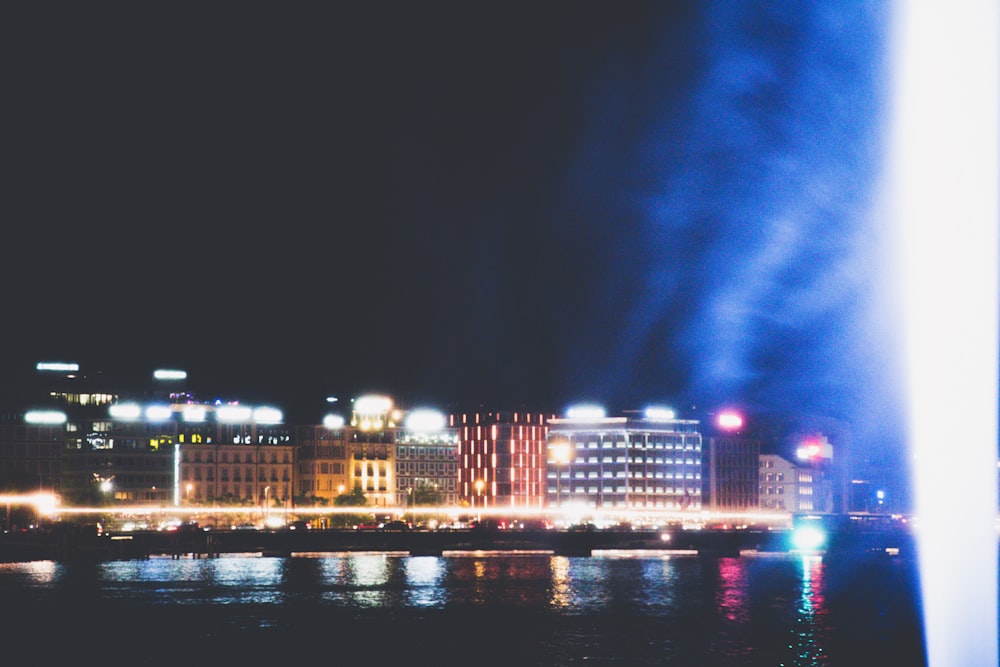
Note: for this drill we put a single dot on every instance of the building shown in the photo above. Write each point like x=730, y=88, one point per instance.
x=323, y=470
x=787, y=487
x=372, y=450
x=426, y=460
x=32, y=444
x=651, y=462
x=501, y=458
x=732, y=472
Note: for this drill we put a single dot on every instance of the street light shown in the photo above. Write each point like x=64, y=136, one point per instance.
x=189, y=487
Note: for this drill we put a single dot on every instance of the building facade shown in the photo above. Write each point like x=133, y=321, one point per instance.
x=732, y=469
x=784, y=486
x=653, y=461
x=501, y=458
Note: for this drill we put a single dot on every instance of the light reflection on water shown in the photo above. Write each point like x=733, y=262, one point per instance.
x=563, y=610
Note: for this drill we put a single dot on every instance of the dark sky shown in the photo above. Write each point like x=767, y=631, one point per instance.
x=454, y=203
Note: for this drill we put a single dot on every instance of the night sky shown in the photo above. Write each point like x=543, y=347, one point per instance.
x=457, y=204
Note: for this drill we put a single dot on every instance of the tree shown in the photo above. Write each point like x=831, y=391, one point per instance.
x=356, y=498
x=424, y=494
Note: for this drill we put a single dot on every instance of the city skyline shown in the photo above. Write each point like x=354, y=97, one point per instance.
x=642, y=204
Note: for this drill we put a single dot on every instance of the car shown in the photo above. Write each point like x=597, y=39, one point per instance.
x=394, y=525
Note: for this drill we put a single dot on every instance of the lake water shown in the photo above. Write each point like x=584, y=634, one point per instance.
x=381, y=609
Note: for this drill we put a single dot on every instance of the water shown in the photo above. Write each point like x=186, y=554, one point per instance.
x=467, y=610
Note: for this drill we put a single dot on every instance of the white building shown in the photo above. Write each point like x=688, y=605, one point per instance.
x=653, y=461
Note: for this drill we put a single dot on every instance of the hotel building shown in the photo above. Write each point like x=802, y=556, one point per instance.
x=651, y=461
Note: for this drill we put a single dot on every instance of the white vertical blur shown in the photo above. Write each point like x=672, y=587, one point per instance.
x=944, y=197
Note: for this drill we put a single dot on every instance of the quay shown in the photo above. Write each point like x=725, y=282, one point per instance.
x=76, y=543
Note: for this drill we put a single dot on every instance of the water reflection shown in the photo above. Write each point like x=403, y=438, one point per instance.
x=561, y=595
x=808, y=651
x=732, y=612
x=521, y=580
x=423, y=576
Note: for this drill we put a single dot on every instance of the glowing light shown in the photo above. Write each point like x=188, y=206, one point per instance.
x=45, y=417
x=425, y=421
x=267, y=415
x=125, y=411
x=813, y=450
x=808, y=538
x=158, y=413
x=333, y=422
x=194, y=413
x=168, y=374
x=658, y=414
x=372, y=404
x=562, y=451
x=233, y=413
x=944, y=202
x=585, y=412
x=57, y=366
x=729, y=421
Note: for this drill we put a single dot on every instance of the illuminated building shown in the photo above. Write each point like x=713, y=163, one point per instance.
x=501, y=458
x=784, y=486
x=426, y=460
x=652, y=461
x=323, y=466
x=371, y=448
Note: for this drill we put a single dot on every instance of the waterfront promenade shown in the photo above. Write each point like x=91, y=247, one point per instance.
x=81, y=542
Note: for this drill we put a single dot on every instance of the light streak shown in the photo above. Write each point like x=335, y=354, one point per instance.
x=944, y=202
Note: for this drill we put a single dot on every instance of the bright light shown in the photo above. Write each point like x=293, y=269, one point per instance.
x=158, y=413
x=194, y=413
x=58, y=366
x=333, y=422
x=808, y=538
x=372, y=404
x=233, y=413
x=812, y=450
x=45, y=417
x=267, y=415
x=562, y=451
x=331, y=399
x=585, y=412
x=106, y=485
x=944, y=203
x=425, y=421
x=168, y=374
x=729, y=421
x=654, y=413
x=125, y=411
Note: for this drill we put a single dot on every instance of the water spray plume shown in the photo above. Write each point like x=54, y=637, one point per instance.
x=944, y=201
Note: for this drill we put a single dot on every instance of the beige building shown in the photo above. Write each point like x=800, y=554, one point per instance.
x=324, y=470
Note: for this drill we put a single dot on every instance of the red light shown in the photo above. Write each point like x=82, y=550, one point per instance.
x=729, y=421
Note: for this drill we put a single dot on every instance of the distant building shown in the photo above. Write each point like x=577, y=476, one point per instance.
x=426, y=460
x=501, y=458
x=732, y=470
x=787, y=487
x=652, y=461
x=31, y=453
x=323, y=467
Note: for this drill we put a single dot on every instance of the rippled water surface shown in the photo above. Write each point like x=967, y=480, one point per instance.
x=467, y=610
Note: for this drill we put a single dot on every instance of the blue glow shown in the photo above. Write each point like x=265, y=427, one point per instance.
x=808, y=538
